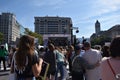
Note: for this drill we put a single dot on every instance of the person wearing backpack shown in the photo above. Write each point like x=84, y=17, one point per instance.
x=25, y=63
x=79, y=64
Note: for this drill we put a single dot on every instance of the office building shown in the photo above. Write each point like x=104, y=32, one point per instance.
x=9, y=27
x=55, y=29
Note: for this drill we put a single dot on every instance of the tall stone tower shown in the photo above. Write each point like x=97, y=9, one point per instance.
x=97, y=27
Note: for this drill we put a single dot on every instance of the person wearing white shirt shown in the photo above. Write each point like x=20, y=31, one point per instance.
x=92, y=56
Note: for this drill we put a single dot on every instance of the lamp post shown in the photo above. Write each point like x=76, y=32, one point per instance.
x=73, y=28
x=72, y=40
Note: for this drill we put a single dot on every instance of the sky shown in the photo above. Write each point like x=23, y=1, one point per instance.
x=83, y=13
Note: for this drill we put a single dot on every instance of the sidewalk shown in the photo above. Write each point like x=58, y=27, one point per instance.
x=4, y=75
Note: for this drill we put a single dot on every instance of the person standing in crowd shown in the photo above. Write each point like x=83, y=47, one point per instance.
x=106, y=52
x=41, y=52
x=98, y=47
x=70, y=53
x=50, y=58
x=60, y=60
x=92, y=56
x=111, y=65
x=11, y=53
x=79, y=64
x=3, y=54
x=25, y=62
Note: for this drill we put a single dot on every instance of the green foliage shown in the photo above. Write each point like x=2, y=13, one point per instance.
x=100, y=40
x=40, y=38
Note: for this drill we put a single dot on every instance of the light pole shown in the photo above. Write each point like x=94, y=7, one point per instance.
x=72, y=38
x=73, y=28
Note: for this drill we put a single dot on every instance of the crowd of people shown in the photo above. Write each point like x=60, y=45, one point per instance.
x=81, y=62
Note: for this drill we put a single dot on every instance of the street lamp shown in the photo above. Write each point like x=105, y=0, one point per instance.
x=77, y=31
x=71, y=32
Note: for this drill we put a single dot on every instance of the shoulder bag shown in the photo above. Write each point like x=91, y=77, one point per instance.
x=117, y=76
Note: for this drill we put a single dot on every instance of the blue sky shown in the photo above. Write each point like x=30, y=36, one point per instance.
x=83, y=13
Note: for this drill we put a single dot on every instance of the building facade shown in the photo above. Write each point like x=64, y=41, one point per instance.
x=54, y=29
x=111, y=33
x=9, y=27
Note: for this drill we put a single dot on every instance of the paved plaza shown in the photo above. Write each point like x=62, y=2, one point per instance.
x=4, y=75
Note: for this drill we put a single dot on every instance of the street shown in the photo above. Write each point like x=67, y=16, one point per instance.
x=4, y=75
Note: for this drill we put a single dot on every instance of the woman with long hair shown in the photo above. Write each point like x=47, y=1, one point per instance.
x=26, y=63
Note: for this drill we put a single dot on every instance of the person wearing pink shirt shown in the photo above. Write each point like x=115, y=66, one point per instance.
x=110, y=66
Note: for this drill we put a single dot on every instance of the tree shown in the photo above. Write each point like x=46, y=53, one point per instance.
x=100, y=40
x=1, y=37
x=40, y=38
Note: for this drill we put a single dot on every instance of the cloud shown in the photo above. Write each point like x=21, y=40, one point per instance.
x=106, y=6
x=103, y=10
x=109, y=21
x=99, y=8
